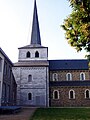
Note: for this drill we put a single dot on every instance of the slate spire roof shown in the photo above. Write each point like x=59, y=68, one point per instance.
x=35, y=35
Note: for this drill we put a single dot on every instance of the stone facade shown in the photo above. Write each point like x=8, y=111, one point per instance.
x=65, y=101
x=43, y=53
x=75, y=74
x=37, y=68
x=38, y=86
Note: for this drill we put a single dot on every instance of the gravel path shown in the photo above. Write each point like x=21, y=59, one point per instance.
x=25, y=114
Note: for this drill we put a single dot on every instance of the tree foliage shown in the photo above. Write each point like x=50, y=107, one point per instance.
x=77, y=25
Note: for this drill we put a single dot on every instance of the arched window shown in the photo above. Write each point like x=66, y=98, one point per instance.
x=87, y=93
x=29, y=78
x=82, y=76
x=55, y=94
x=71, y=94
x=55, y=77
x=68, y=76
x=28, y=55
x=37, y=54
x=29, y=96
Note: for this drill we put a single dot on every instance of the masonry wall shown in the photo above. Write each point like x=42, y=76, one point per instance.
x=43, y=54
x=75, y=74
x=64, y=101
x=38, y=87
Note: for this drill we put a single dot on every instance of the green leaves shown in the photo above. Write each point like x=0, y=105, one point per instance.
x=77, y=25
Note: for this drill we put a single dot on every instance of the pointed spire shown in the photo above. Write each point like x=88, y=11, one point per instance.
x=35, y=35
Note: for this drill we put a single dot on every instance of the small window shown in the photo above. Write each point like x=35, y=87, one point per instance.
x=87, y=94
x=28, y=55
x=82, y=76
x=55, y=77
x=68, y=76
x=71, y=94
x=29, y=78
x=37, y=54
x=56, y=94
x=29, y=96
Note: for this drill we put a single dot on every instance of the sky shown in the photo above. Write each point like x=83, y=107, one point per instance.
x=16, y=24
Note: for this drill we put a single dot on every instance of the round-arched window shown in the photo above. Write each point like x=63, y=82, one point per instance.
x=37, y=54
x=28, y=55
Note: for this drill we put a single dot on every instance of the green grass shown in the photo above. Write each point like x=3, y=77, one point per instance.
x=61, y=114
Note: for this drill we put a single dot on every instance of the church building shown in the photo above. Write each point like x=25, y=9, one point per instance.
x=43, y=82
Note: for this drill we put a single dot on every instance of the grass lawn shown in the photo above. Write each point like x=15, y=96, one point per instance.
x=61, y=114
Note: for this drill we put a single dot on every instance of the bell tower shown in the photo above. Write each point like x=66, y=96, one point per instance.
x=32, y=69
x=35, y=49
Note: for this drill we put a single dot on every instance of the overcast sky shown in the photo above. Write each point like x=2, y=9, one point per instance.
x=16, y=24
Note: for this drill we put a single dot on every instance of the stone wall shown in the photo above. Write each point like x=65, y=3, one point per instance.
x=43, y=54
x=65, y=101
x=75, y=74
x=38, y=86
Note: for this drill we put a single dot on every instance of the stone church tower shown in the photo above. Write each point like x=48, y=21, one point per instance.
x=31, y=72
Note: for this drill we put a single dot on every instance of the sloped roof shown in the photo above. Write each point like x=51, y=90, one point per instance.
x=32, y=46
x=31, y=63
x=79, y=64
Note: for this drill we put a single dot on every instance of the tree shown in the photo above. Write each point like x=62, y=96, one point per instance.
x=77, y=25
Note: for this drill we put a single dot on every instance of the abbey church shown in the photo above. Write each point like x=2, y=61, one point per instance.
x=43, y=82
